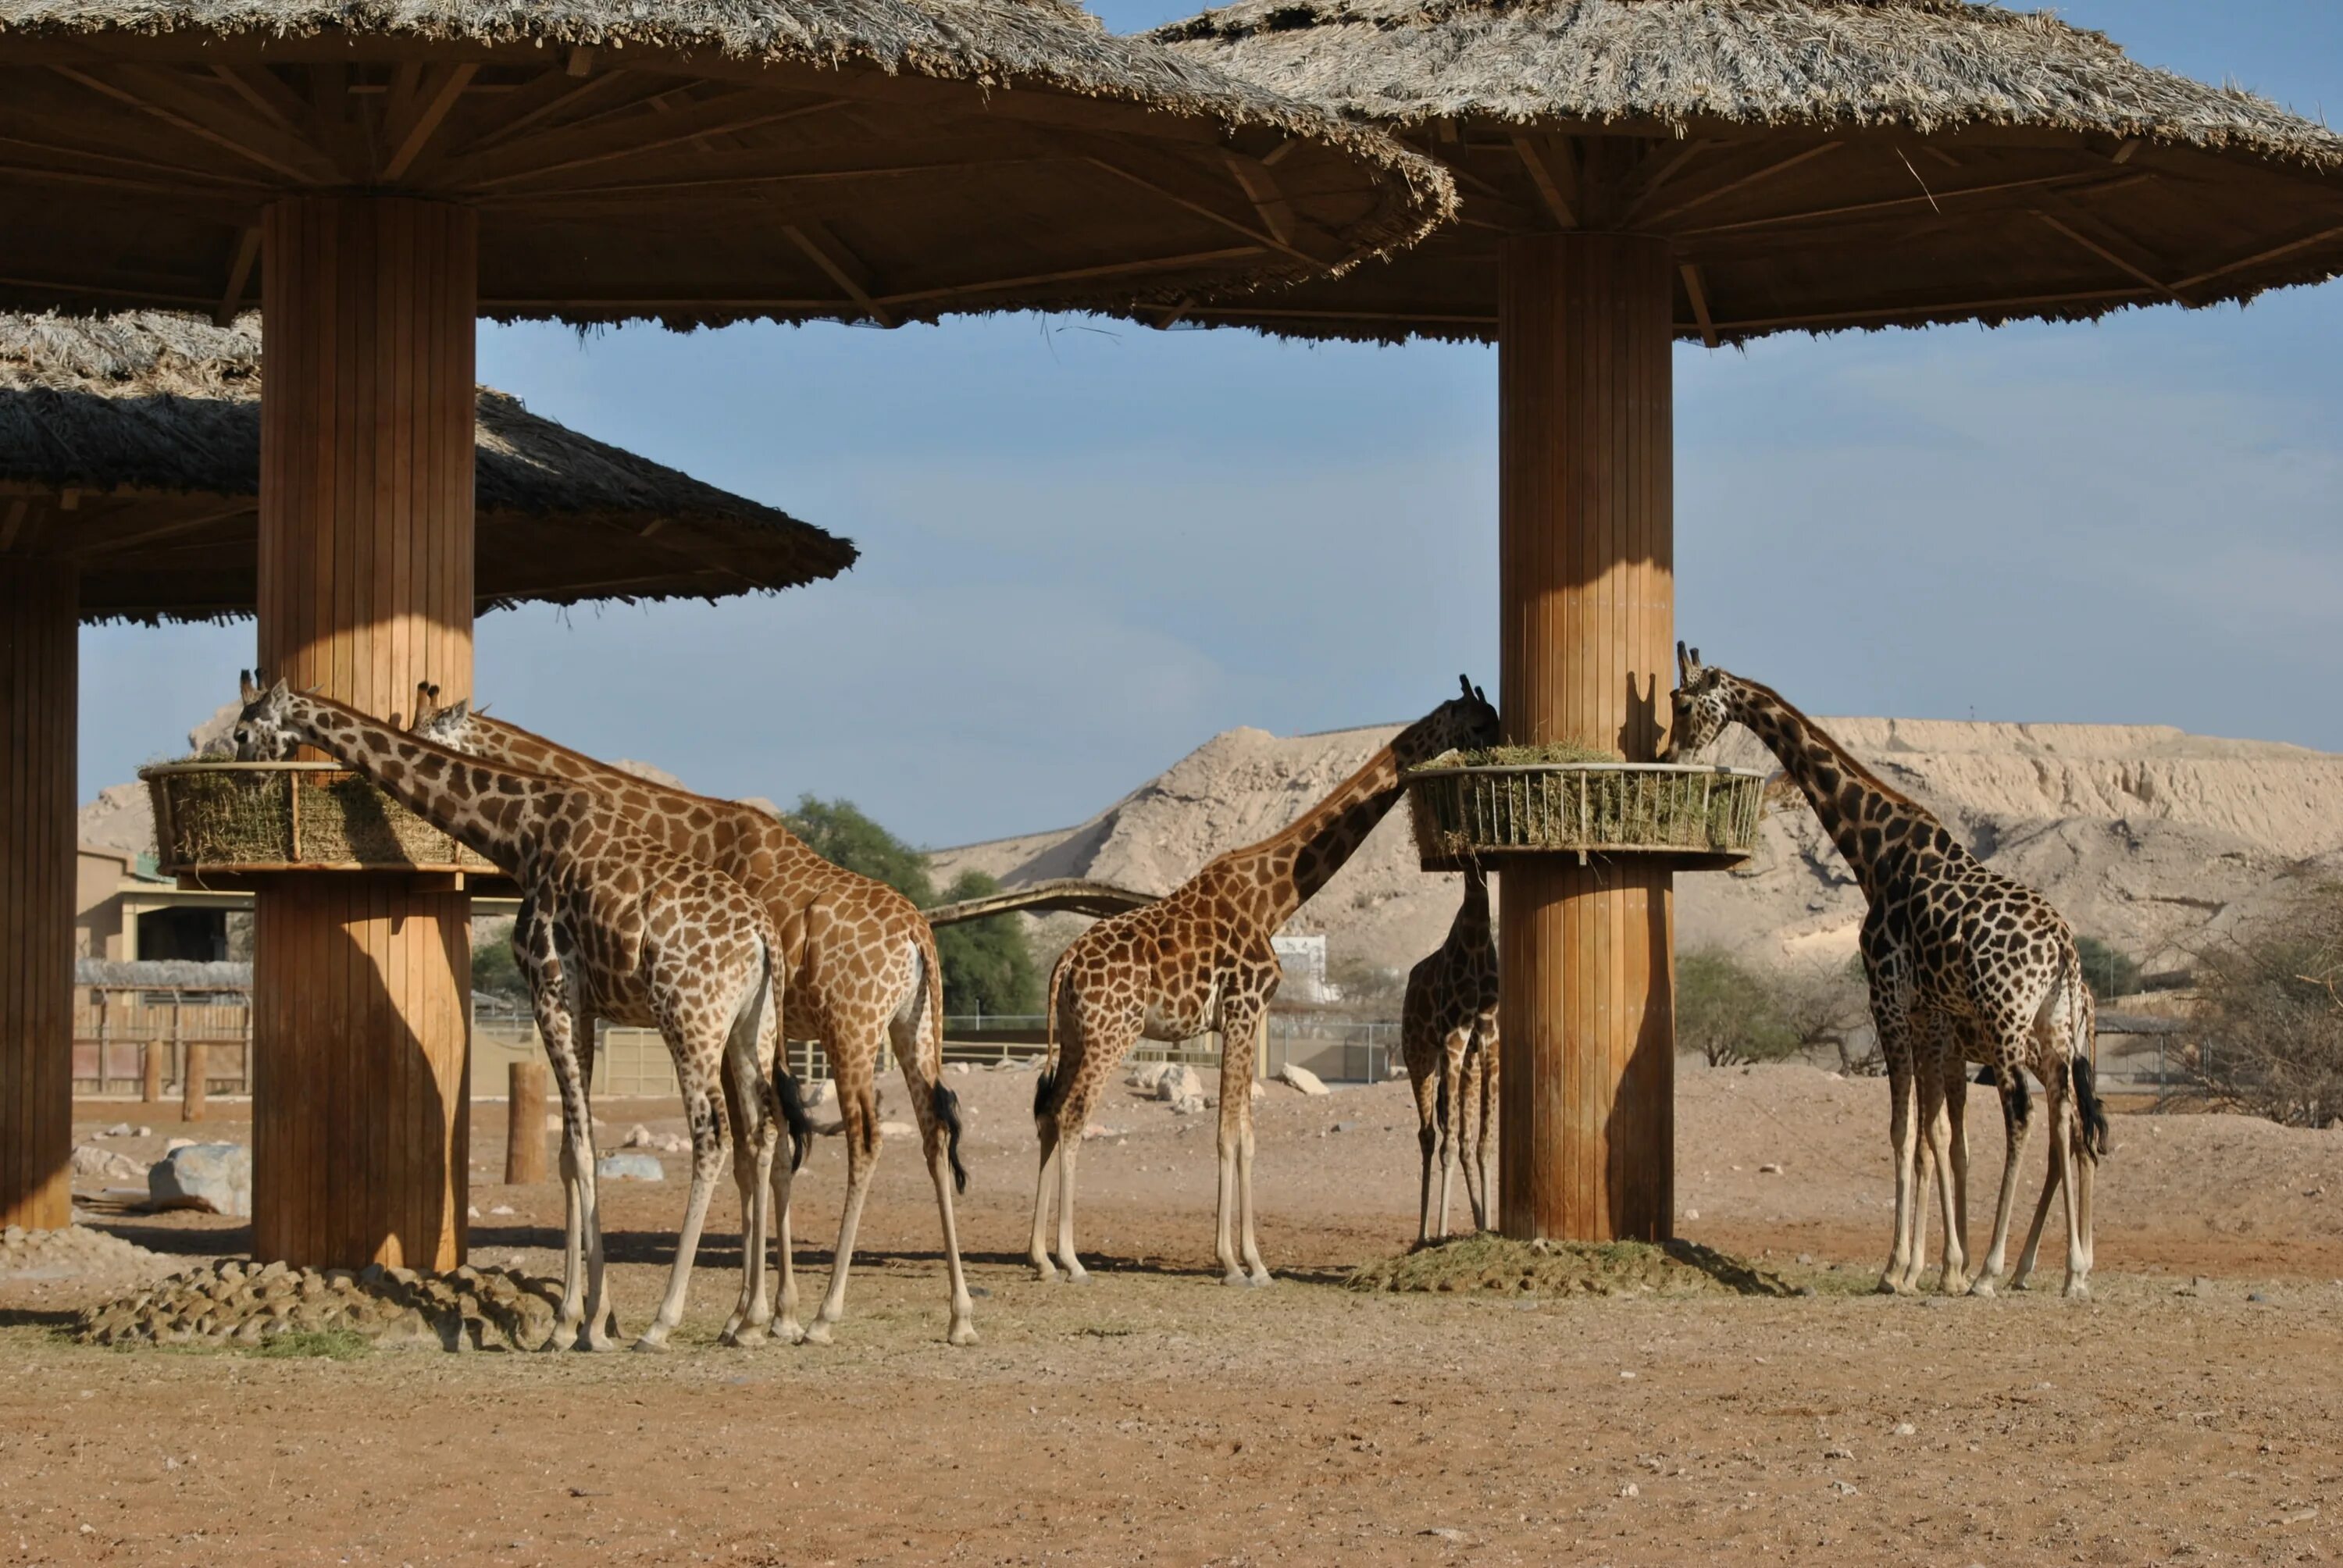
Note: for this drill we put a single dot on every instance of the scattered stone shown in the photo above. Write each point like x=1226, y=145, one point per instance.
x=471, y=1210
x=823, y=1094
x=1631, y=1489
x=1769, y=1171
x=214, y=1176
x=95, y=1160
x=898, y=1130
x=1179, y=1081
x=1343, y=1126
x=1302, y=1078
x=2257, y=1296
x=1445, y=1533
x=630, y=1165
x=124, y=1130
x=1188, y=1105
x=1905, y=1428
x=637, y=1137
x=1258, y=1091
x=1806, y=1260
x=1692, y=1214
x=1838, y=1453
x=233, y=1303
x=1844, y=1488
x=176, y=1143
x=1096, y=1129
x=1146, y=1075
x=501, y=1208
x=960, y=1069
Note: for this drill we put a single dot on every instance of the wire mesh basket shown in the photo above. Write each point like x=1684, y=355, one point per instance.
x=1702, y=817
x=252, y=817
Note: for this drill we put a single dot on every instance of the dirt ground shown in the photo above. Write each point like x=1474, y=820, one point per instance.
x=2188, y=1412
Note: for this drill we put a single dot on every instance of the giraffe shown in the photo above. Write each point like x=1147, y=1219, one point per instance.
x=1964, y=964
x=861, y=969
x=1448, y=1032
x=613, y=924
x=1200, y=960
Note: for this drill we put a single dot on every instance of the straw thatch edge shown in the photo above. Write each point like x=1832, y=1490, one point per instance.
x=995, y=44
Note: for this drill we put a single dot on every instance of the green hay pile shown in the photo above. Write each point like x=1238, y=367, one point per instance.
x=1466, y=1264
x=1526, y=756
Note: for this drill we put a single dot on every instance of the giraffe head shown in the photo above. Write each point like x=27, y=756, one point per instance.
x=1704, y=700
x=265, y=732
x=449, y=726
x=1462, y=723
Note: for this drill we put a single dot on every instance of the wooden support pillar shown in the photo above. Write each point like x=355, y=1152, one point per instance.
x=525, y=1123
x=362, y=984
x=39, y=611
x=1586, y=621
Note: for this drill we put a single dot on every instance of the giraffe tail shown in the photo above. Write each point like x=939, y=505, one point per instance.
x=1045, y=1081
x=2083, y=1074
x=793, y=1111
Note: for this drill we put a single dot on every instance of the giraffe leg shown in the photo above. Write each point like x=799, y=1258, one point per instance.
x=2065, y=1139
x=1484, y=1125
x=1895, y=1279
x=1947, y=1152
x=1045, y=1128
x=754, y=1120
x=1451, y=1112
x=708, y=1155
x=858, y=1103
x=2020, y=1277
x=534, y=952
x=1426, y=1087
x=2016, y=1121
x=918, y=1036
x=1067, y=1149
x=1236, y=1090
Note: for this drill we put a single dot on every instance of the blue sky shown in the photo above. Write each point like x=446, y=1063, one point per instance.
x=1087, y=547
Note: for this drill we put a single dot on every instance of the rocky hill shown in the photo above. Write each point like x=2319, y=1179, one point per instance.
x=2144, y=836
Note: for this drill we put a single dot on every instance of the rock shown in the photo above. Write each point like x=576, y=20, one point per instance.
x=178, y=1143
x=1188, y=1105
x=1179, y=1081
x=1302, y=1078
x=1769, y=1171
x=1905, y=1428
x=1343, y=1126
x=92, y=1160
x=1147, y=1074
x=501, y=1208
x=958, y=1069
x=823, y=1094
x=122, y=1130
x=637, y=1137
x=629, y=1166
x=1445, y=1533
x=1257, y=1090
x=671, y=1144
x=1844, y=1488
x=1692, y=1214
x=214, y=1176
x=1631, y=1489
x=1096, y=1131
x=898, y=1130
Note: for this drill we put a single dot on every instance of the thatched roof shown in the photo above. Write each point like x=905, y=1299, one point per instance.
x=694, y=161
x=1822, y=162
x=152, y=421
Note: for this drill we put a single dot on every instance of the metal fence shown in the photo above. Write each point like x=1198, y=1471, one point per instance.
x=1338, y=1049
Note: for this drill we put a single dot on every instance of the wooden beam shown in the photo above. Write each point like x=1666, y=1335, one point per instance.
x=1270, y=311
x=1697, y=293
x=1204, y=210
x=1754, y=176
x=2083, y=181
x=580, y=62
x=180, y=196
x=239, y=277
x=1556, y=186
x=546, y=96
x=748, y=185
x=1645, y=183
x=434, y=97
x=562, y=150
x=13, y=522
x=272, y=99
x=1951, y=308
x=95, y=540
x=1261, y=188
x=132, y=168
x=2120, y=263
x=1076, y=274
x=152, y=92
x=150, y=296
x=840, y=265
x=2261, y=256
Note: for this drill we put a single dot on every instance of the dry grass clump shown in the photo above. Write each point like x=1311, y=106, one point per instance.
x=1549, y=797
x=1500, y=1264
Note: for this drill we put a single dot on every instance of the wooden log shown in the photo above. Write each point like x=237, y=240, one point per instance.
x=1586, y=622
x=195, y=1079
x=361, y=1015
x=152, y=1057
x=525, y=1124
x=38, y=648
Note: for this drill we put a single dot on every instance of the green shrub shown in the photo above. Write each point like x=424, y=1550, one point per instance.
x=1729, y=1013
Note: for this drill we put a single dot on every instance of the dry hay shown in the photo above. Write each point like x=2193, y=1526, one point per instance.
x=77, y=1253
x=235, y=1303
x=1575, y=797
x=235, y=817
x=1500, y=1264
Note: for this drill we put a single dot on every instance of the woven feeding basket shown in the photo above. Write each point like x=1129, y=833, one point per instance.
x=243, y=818
x=1700, y=817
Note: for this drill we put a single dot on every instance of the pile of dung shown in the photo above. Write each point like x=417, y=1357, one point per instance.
x=238, y=1304
x=1487, y=1262
x=79, y=1254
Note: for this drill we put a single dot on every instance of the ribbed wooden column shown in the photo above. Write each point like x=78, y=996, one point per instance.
x=1586, y=620
x=38, y=675
x=362, y=984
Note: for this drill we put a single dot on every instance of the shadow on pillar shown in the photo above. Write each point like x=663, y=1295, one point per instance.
x=361, y=1126
x=1642, y=1113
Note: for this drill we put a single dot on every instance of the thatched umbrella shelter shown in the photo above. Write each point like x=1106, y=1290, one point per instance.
x=130, y=444
x=130, y=453
x=1635, y=172
x=380, y=173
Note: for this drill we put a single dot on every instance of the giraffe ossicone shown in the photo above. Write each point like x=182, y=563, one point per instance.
x=1199, y=961
x=1965, y=965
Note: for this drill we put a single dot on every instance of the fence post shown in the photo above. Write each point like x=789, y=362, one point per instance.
x=152, y=1057
x=101, y=1009
x=191, y=1090
x=525, y=1124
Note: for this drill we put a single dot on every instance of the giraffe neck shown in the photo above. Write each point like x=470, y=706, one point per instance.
x=492, y=809
x=1299, y=861
x=1868, y=821
x=1471, y=922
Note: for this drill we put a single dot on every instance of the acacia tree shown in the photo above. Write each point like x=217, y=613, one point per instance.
x=2267, y=1035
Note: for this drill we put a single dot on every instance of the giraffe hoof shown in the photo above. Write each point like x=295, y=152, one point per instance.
x=2076, y=1291
x=1046, y=1274
x=1262, y=1281
x=1956, y=1285
x=1886, y=1286
x=1077, y=1275
x=817, y=1333
x=790, y=1331
x=1984, y=1286
x=647, y=1346
x=747, y=1336
x=962, y=1334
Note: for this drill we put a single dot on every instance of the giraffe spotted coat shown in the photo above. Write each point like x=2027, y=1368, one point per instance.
x=1448, y=1035
x=1965, y=965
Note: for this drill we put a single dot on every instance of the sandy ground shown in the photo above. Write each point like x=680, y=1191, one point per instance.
x=2187, y=1414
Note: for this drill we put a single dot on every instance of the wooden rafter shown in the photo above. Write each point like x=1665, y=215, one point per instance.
x=1077, y=274
x=431, y=99
x=1696, y=291
x=840, y=265
x=1954, y=308
x=159, y=95
x=1556, y=179
x=1161, y=187
x=239, y=276
x=2087, y=180
x=548, y=97
x=2114, y=258
x=123, y=532
x=270, y=98
x=1755, y=176
x=12, y=522
x=1261, y=188
x=564, y=151
x=747, y=184
x=1643, y=184
x=2259, y=257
